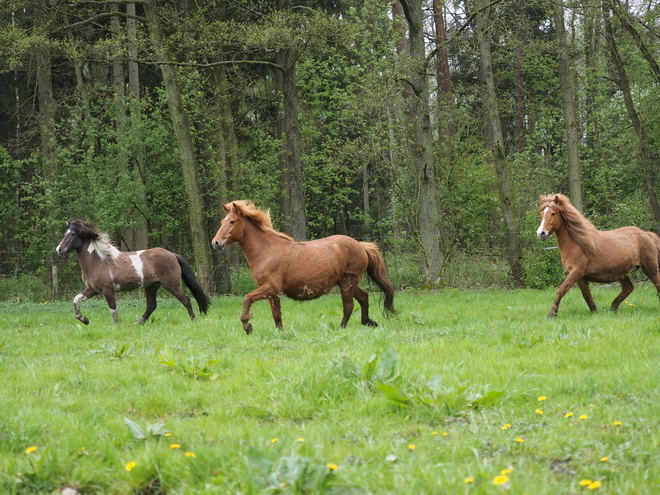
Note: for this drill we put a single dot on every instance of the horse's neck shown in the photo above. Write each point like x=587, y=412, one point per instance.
x=564, y=238
x=256, y=242
x=86, y=259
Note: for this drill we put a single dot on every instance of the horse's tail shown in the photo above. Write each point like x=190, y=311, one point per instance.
x=378, y=273
x=188, y=277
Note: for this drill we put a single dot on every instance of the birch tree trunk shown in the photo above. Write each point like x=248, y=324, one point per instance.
x=189, y=165
x=496, y=144
x=421, y=145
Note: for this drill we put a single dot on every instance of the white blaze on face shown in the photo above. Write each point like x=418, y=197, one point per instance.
x=542, y=226
x=137, y=264
x=57, y=249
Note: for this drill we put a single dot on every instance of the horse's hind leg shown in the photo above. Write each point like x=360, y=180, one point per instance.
x=586, y=293
x=362, y=298
x=626, y=288
x=109, y=295
x=86, y=294
x=150, y=293
x=175, y=290
x=347, y=287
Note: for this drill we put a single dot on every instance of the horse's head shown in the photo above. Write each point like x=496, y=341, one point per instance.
x=74, y=237
x=231, y=229
x=551, y=218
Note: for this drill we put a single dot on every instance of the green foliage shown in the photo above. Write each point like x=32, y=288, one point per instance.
x=191, y=365
x=153, y=430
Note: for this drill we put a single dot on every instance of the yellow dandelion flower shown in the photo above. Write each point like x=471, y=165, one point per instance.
x=469, y=479
x=594, y=485
x=411, y=447
x=445, y=434
x=604, y=459
x=175, y=446
x=273, y=440
x=332, y=466
x=29, y=450
x=617, y=423
x=538, y=411
x=583, y=416
x=190, y=454
x=542, y=398
x=168, y=434
x=586, y=482
x=520, y=440
x=434, y=433
x=300, y=439
x=130, y=465
x=568, y=415
x=506, y=426
x=500, y=480
x=505, y=471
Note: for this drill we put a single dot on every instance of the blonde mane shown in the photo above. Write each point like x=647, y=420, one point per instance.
x=581, y=230
x=103, y=247
x=260, y=218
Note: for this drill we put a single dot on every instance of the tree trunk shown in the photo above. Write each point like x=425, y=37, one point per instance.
x=624, y=84
x=518, y=86
x=421, y=145
x=498, y=152
x=292, y=146
x=200, y=237
x=141, y=229
x=285, y=197
x=568, y=95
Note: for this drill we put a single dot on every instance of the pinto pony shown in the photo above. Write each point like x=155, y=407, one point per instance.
x=591, y=255
x=106, y=270
x=301, y=270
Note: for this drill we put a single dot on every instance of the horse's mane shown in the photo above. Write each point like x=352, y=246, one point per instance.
x=581, y=230
x=260, y=218
x=99, y=242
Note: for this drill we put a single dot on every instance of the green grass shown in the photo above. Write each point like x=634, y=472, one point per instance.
x=415, y=405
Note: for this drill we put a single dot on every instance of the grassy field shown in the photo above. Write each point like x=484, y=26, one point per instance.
x=462, y=392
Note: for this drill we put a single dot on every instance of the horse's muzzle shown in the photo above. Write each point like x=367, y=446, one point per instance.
x=218, y=244
x=542, y=235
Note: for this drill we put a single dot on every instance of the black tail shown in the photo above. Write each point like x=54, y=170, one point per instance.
x=188, y=277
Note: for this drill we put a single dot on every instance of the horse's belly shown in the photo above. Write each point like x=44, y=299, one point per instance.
x=306, y=292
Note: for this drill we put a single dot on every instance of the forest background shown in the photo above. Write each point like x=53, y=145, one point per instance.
x=429, y=127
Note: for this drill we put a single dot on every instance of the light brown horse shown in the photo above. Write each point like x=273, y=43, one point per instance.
x=301, y=270
x=591, y=255
x=106, y=270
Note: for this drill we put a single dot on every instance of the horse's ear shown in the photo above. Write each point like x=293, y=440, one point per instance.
x=557, y=199
x=236, y=208
x=226, y=208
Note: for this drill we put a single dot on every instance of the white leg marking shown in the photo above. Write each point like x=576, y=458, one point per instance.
x=139, y=267
x=540, y=229
x=113, y=312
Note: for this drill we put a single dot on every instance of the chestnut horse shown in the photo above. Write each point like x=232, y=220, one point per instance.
x=106, y=270
x=591, y=255
x=301, y=270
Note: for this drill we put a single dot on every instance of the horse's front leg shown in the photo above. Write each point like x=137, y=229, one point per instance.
x=263, y=292
x=109, y=295
x=276, y=311
x=586, y=293
x=565, y=286
x=86, y=294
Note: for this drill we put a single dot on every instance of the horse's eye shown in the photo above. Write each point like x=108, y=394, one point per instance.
x=232, y=222
x=552, y=215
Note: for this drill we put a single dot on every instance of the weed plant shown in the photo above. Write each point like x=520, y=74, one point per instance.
x=463, y=392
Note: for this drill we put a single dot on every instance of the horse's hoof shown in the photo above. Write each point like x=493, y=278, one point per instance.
x=84, y=320
x=370, y=323
x=551, y=316
x=248, y=328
